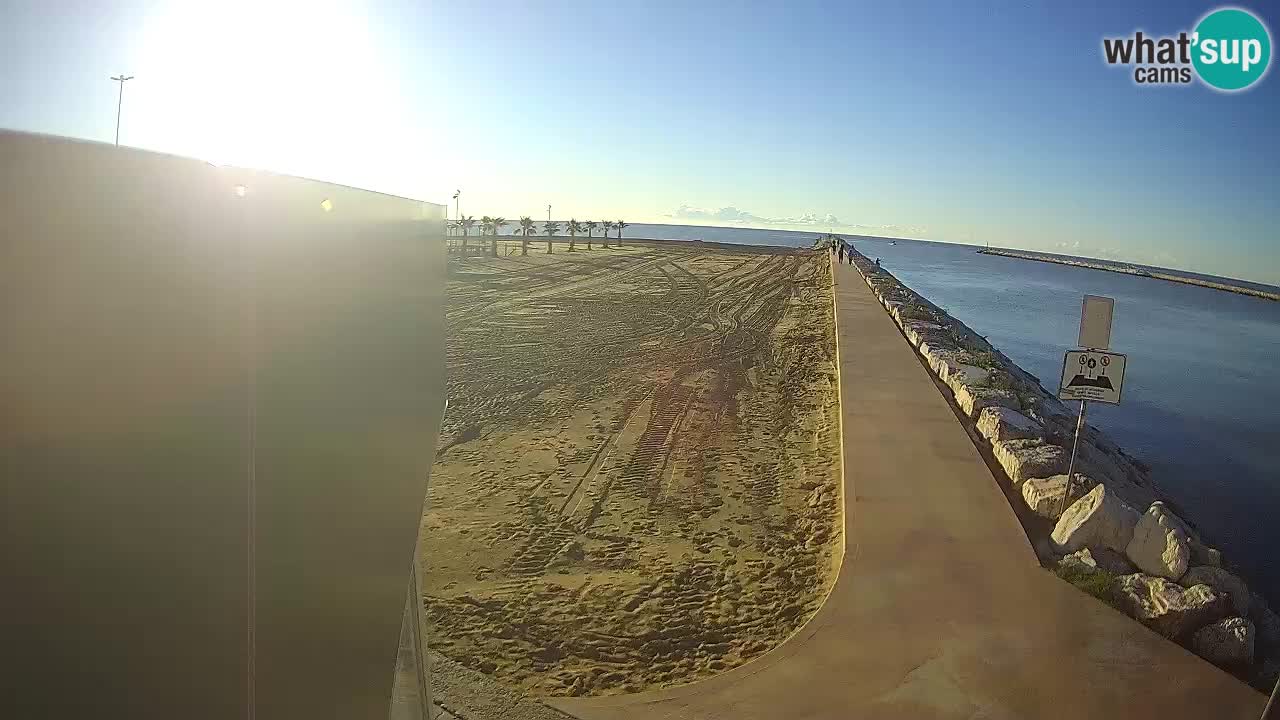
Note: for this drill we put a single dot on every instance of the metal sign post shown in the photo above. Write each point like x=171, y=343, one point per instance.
x=1091, y=373
x=1075, y=447
x=1272, y=710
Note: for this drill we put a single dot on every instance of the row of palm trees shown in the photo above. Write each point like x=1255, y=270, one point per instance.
x=491, y=225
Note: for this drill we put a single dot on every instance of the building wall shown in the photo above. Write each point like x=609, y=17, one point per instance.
x=220, y=391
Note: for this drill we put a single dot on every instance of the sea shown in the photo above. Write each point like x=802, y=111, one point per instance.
x=1201, y=401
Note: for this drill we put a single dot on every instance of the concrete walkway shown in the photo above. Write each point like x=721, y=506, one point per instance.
x=940, y=609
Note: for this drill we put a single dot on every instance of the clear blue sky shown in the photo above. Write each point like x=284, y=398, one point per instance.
x=913, y=119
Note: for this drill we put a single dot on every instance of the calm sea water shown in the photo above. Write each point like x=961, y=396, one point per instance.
x=1201, y=399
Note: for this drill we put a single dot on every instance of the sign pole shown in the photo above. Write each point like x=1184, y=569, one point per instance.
x=1075, y=447
x=1085, y=373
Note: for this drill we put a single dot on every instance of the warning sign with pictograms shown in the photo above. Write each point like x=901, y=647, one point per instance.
x=1092, y=375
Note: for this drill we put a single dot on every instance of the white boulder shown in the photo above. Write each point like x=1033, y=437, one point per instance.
x=958, y=375
x=1097, y=559
x=1053, y=414
x=963, y=373
x=1133, y=495
x=973, y=399
x=1099, y=519
x=1098, y=456
x=1202, y=554
x=1267, y=622
x=1026, y=459
x=1081, y=559
x=1222, y=581
x=1160, y=544
x=1167, y=607
x=918, y=331
x=1001, y=423
x=1111, y=561
x=1226, y=642
x=937, y=351
x=1099, y=464
x=1045, y=495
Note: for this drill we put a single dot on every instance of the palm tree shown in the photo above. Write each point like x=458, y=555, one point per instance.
x=550, y=228
x=497, y=224
x=450, y=229
x=574, y=228
x=618, y=226
x=467, y=222
x=526, y=228
x=591, y=226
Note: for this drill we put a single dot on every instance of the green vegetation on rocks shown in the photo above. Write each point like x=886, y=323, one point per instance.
x=1096, y=582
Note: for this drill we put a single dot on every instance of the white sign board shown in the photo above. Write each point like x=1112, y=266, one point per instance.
x=1092, y=375
x=1095, y=322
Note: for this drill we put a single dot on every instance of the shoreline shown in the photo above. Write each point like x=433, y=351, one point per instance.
x=482, y=241
x=1140, y=272
x=1029, y=432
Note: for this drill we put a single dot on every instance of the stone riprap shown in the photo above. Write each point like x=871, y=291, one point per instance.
x=1167, y=607
x=1161, y=543
x=1222, y=581
x=1099, y=519
x=1026, y=459
x=1116, y=528
x=999, y=424
x=1226, y=642
x=1046, y=496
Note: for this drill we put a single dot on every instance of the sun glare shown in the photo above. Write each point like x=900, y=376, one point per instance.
x=269, y=85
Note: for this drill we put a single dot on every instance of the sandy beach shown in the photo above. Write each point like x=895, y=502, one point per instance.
x=636, y=483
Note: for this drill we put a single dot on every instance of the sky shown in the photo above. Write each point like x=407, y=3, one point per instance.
x=996, y=123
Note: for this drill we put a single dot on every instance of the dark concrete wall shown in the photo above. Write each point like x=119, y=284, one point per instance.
x=217, y=418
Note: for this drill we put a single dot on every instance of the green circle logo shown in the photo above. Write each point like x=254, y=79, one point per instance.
x=1232, y=49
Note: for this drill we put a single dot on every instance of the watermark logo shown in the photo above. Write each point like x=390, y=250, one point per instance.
x=1229, y=50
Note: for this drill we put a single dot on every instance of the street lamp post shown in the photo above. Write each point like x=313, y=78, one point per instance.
x=548, y=213
x=120, y=102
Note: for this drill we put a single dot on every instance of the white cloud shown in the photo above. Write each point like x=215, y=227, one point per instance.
x=727, y=214
x=733, y=215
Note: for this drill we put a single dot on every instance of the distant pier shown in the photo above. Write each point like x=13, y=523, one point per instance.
x=1129, y=270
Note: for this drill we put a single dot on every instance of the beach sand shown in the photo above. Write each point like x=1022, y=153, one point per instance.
x=637, y=478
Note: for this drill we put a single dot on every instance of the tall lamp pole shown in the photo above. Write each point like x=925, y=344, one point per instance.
x=548, y=213
x=120, y=102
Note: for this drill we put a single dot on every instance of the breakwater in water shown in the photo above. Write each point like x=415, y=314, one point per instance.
x=1132, y=270
x=1109, y=530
